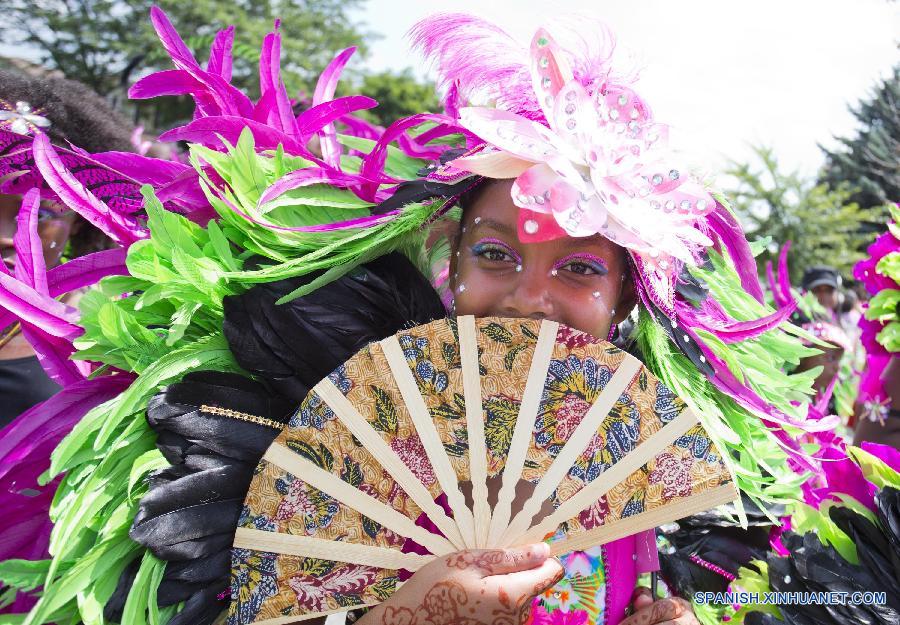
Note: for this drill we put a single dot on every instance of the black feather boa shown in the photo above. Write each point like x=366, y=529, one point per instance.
x=189, y=514
x=814, y=567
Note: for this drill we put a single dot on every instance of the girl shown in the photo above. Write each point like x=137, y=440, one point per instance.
x=573, y=210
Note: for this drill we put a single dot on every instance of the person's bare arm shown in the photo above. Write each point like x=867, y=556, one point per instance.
x=889, y=432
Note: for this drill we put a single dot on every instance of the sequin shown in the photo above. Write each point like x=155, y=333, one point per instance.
x=670, y=206
x=542, y=41
x=570, y=108
x=570, y=124
x=523, y=199
x=701, y=205
x=685, y=205
x=623, y=100
x=570, y=96
x=614, y=114
x=657, y=179
x=655, y=205
x=674, y=175
x=634, y=114
x=539, y=199
x=544, y=62
x=531, y=226
x=546, y=82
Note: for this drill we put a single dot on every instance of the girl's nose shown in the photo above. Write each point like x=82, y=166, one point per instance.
x=528, y=295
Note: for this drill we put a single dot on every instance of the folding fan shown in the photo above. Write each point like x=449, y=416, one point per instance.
x=424, y=443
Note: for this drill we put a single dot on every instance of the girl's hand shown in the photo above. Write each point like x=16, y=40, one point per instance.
x=474, y=587
x=671, y=611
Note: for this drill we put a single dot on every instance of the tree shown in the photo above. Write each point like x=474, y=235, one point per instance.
x=822, y=223
x=399, y=95
x=108, y=43
x=870, y=161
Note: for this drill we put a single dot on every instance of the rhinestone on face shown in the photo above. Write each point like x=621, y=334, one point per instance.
x=531, y=226
x=623, y=100
x=518, y=268
x=570, y=124
x=674, y=175
x=570, y=108
x=476, y=221
x=657, y=179
x=685, y=205
x=462, y=288
x=554, y=272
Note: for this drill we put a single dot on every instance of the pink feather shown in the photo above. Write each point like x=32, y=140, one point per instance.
x=325, y=88
x=30, y=267
x=220, y=58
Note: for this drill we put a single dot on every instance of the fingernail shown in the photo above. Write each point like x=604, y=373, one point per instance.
x=540, y=550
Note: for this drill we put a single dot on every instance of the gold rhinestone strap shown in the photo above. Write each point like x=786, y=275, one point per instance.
x=241, y=416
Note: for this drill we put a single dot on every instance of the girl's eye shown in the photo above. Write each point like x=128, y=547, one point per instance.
x=584, y=266
x=494, y=252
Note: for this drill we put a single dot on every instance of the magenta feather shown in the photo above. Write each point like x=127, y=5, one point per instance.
x=166, y=82
x=724, y=225
x=220, y=56
x=86, y=271
x=317, y=117
x=207, y=130
x=25, y=449
x=325, y=88
x=41, y=310
x=279, y=114
x=30, y=268
x=120, y=228
x=54, y=355
x=310, y=176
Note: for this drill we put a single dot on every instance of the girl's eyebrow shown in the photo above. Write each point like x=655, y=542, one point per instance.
x=493, y=224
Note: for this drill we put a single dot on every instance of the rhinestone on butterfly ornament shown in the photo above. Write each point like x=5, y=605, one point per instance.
x=602, y=166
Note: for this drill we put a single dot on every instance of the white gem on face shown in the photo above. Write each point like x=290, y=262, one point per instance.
x=531, y=226
x=554, y=272
x=596, y=294
x=518, y=268
x=462, y=288
x=476, y=221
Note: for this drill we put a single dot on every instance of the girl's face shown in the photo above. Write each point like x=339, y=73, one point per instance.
x=579, y=282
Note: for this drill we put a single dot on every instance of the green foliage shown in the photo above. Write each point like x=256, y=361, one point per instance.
x=108, y=43
x=869, y=161
x=821, y=223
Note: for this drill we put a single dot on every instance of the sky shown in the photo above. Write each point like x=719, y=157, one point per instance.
x=724, y=74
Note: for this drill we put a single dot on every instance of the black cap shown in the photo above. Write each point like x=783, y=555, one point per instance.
x=819, y=275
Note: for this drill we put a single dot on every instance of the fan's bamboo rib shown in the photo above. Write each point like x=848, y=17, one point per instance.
x=518, y=447
x=309, y=547
x=590, y=493
x=351, y=496
x=388, y=459
x=647, y=520
x=468, y=356
x=431, y=440
x=288, y=620
x=575, y=446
